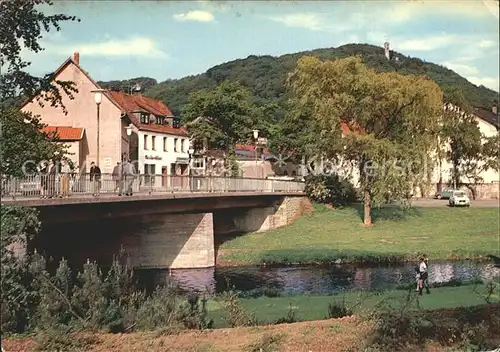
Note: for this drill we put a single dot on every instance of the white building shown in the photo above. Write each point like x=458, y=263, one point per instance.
x=488, y=124
x=158, y=144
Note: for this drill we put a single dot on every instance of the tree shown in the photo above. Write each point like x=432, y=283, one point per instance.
x=23, y=25
x=23, y=145
x=227, y=115
x=223, y=116
x=470, y=152
x=393, y=121
x=487, y=157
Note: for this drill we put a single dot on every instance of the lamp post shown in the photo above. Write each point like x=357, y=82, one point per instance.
x=255, y=136
x=190, y=153
x=98, y=99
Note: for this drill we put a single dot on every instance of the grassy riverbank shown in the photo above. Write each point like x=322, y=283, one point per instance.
x=268, y=310
x=454, y=324
x=397, y=235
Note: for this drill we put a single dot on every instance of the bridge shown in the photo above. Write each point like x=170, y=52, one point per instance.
x=166, y=222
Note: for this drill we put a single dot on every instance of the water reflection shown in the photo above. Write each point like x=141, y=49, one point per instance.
x=312, y=279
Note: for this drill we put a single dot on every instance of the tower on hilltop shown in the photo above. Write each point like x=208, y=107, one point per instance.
x=387, y=51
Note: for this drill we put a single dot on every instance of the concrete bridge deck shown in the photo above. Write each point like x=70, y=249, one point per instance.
x=145, y=196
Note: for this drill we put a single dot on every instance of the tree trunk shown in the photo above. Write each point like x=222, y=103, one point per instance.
x=473, y=190
x=367, y=208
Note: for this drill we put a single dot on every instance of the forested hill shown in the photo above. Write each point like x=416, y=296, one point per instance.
x=265, y=75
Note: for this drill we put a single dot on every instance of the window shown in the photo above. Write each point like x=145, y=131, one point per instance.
x=175, y=145
x=145, y=142
x=182, y=145
x=165, y=146
x=144, y=117
x=198, y=163
x=153, y=144
x=160, y=120
x=176, y=122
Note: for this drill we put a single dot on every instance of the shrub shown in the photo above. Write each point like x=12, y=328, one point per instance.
x=18, y=294
x=291, y=316
x=236, y=315
x=330, y=189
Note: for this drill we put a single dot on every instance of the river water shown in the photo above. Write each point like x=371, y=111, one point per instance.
x=313, y=279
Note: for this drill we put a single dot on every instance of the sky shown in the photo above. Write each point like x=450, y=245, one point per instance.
x=171, y=39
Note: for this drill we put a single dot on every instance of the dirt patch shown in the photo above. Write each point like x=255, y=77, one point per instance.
x=326, y=335
x=344, y=334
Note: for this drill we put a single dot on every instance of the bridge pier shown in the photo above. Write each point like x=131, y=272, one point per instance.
x=175, y=241
x=282, y=213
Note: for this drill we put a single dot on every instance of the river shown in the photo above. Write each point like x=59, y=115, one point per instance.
x=313, y=279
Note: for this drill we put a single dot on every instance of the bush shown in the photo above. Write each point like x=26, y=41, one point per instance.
x=330, y=189
x=236, y=315
x=290, y=318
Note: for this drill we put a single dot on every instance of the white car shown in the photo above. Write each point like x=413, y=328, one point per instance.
x=459, y=198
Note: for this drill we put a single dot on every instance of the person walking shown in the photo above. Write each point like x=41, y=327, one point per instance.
x=65, y=175
x=117, y=177
x=422, y=275
x=425, y=277
x=95, y=179
x=129, y=173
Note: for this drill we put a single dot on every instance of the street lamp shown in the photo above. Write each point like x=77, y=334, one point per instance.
x=255, y=136
x=190, y=153
x=129, y=130
x=98, y=99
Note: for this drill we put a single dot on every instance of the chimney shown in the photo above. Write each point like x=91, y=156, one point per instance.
x=494, y=109
x=76, y=57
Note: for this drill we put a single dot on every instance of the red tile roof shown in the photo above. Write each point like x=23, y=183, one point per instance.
x=249, y=148
x=63, y=133
x=135, y=103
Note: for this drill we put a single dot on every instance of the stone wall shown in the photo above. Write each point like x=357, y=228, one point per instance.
x=172, y=241
x=281, y=214
x=484, y=191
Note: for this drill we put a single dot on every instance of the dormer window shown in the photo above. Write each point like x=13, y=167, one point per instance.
x=144, y=117
x=160, y=120
x=176, y=122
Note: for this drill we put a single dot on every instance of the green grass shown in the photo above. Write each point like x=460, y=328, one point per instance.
x=397, y=235
x=315, y=307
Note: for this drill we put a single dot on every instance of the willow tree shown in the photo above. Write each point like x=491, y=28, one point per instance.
x=393, y=119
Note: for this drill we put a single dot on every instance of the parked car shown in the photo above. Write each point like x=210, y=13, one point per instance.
x=459, y=198
x=445, y=193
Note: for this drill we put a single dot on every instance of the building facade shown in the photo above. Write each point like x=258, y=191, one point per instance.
x=127, y=126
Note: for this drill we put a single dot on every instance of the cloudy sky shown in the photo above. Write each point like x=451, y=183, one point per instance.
x=167, y=39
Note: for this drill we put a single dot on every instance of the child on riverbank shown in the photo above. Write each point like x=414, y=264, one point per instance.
x=422, y=275
x=417, y=277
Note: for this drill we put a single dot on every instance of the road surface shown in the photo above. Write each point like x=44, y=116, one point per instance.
x=433, y=203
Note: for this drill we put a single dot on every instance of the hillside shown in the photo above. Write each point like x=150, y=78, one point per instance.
x=265, y=75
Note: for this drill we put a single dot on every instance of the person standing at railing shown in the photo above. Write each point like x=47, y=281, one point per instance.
x=95, y=179
x=129, y=173
x=117, y=177
x=42, y=170
x=51, y=179
x=65, y=172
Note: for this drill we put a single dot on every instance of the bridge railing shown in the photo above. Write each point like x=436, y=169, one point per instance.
x=65, y=185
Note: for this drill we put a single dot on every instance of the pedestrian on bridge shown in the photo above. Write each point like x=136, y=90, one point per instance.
x=129, y=174
x=117, y=177
x=95, y=179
